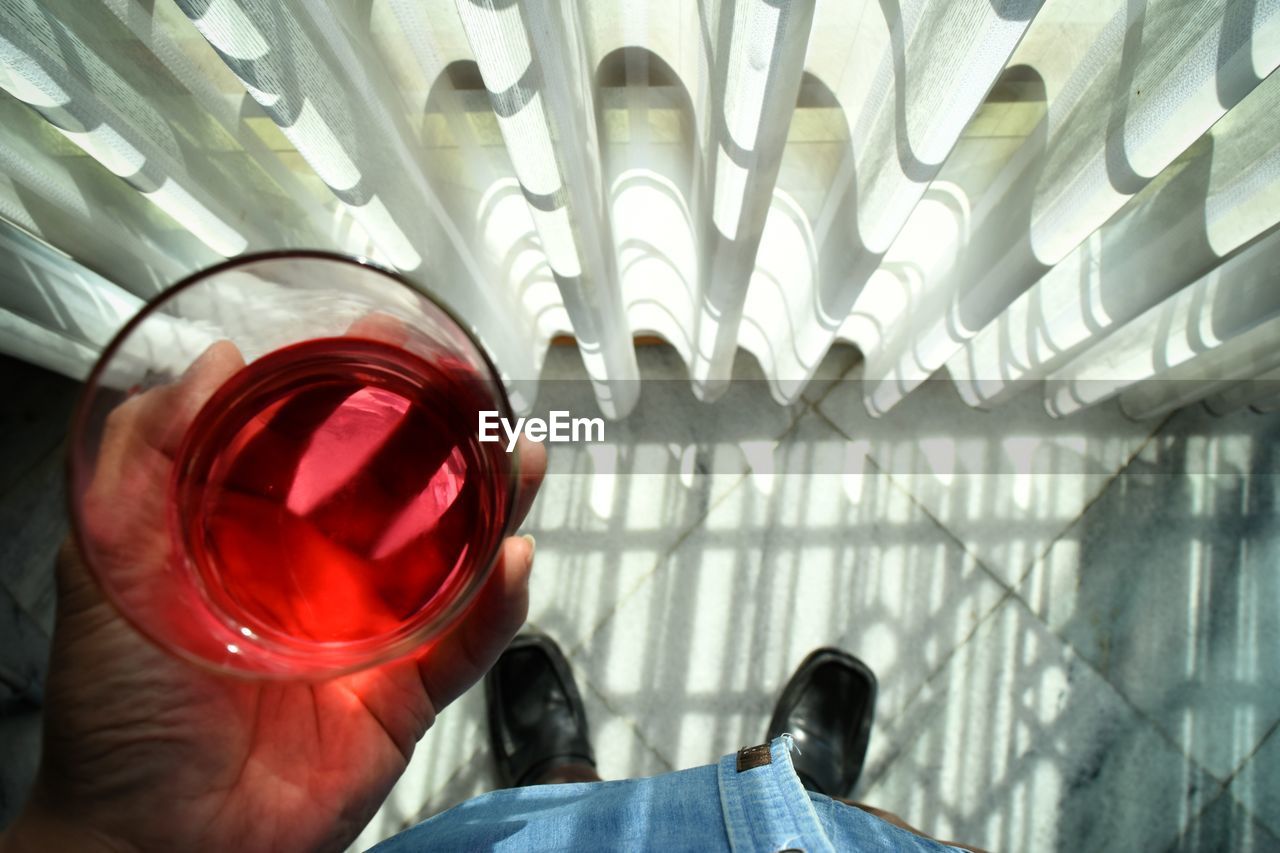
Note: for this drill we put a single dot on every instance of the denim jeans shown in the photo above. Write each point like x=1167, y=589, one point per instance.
x=751, y=800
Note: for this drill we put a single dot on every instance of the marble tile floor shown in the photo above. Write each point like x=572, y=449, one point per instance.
x=1075, y=624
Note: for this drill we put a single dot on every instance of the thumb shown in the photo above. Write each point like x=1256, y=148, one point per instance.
x=461, y=657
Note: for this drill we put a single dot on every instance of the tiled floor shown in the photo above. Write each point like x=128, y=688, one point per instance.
x=32, y=524
x=1076, y=625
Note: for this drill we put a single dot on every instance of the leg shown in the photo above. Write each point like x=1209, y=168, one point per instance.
x=537, y=724
x=828, y=706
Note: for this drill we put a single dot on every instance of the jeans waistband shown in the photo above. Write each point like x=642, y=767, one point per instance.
x=765, y=806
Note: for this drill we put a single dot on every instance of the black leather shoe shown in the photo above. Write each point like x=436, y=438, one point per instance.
x=827, y=706
x=536, y=718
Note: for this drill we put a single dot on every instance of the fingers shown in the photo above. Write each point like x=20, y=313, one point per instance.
x=123, y=508
x=187, y=396
x=458, y=660
x=380, y=327
x=164, y=418
x=462, y=657
x=159, y=417
x=533, y=467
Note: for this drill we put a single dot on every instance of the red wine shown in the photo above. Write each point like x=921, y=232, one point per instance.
x=336, y=489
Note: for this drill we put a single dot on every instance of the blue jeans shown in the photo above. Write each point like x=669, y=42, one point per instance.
x=752, y=800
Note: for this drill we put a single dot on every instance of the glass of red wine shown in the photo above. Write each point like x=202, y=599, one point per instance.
x=275, y=467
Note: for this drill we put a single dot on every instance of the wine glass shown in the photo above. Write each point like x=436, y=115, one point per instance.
x=275, y=467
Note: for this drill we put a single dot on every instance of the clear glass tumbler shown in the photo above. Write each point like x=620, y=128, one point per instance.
x=275, y=468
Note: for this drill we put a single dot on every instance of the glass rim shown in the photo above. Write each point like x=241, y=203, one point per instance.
x=367, y=651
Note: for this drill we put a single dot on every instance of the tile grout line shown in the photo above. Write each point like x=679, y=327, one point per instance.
x=937, y=671
x=679, y=541
x=1066, y=641
x=629, y=721
x=1151, y=722
x=1217, y=798
x=22, y=609
x=58, y=449
x=1271, y=732
x=657, y=565
x=1007, y=593
x=1226, y=784
x=1146, y=719
x=579, y=648
x=595, y=629
x=901, y=487
x=1106, y=487
x=1012, y=591
x=831, y=386
x=803, y=407
x=1012, y=594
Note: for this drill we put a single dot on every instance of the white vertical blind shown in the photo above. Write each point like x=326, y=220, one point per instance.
x=1154, y=78
x=1222, y=192
x=536, y=75
x=1076, y=196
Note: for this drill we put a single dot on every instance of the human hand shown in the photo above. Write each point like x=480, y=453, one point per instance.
x=145, y=751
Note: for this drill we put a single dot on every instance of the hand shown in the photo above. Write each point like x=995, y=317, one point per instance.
x=144, y=751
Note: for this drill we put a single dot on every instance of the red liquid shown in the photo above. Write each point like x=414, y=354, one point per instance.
x=336, y=489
